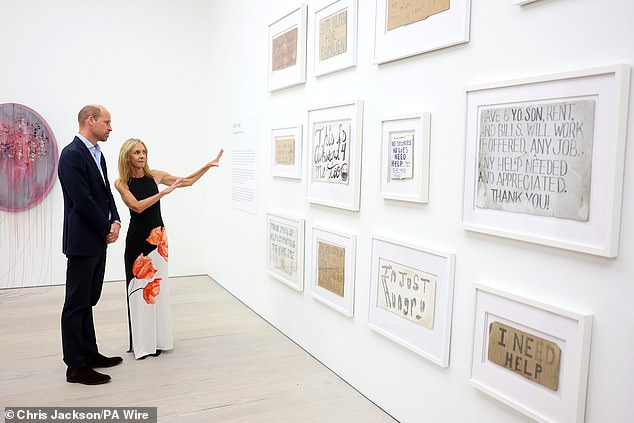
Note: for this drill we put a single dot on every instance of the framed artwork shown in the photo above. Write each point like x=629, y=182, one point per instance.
x=531, y=356
x=405, y=28
x=28, y=158
x=333, y=269
x=411, y=297
x=335, y=36
x=544, y=159
x=286, y=152
x=405, y=158
x=287, y=50
x=285, y=238
x=334, y=157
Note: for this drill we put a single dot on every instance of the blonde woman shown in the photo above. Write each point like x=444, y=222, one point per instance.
x=146, y=247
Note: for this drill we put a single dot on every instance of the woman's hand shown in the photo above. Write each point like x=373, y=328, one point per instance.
x=216, y=162
x=177, y=183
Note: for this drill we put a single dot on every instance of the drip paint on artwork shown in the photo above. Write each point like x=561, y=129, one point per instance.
x=28, y=158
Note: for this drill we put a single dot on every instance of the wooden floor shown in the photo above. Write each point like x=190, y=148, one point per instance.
x=228, y=365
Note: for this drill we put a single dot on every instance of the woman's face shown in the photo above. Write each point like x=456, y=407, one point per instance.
x=138, y=156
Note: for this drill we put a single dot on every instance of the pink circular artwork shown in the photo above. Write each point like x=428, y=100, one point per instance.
x=28, y=157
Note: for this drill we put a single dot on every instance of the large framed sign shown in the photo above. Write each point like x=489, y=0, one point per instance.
x=544, y=159
x=287, y=49
x=411, y=297
x=408, y=27
x=334, y=158
x=530, y=355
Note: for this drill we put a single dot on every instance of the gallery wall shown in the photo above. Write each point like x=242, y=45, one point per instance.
x=507, y=42
x=146, y=62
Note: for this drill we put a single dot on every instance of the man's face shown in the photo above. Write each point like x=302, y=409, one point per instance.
x=100, y=127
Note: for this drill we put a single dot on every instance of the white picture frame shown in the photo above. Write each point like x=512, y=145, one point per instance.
x=405, y=157
x=287, y=49
x=404, y=34
x=523, y=2
x=563, y=188
x=286, y=152
x=335, y=139
x=423, y=322
x=333, y=246
x=335, y=37
x=568, y=331
x=285, y=249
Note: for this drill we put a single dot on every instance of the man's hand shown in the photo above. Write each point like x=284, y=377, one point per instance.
x=113, y=235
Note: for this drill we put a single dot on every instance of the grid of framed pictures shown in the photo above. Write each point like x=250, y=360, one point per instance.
x=530, y=355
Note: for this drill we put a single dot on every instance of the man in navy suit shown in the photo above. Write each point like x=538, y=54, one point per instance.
x=91, y=222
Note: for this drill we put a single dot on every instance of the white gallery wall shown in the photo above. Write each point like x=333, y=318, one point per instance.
x=148, y=63
x=179, y=74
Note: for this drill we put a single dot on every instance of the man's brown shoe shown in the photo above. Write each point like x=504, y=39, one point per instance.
x=86, y=376
x=103, y=361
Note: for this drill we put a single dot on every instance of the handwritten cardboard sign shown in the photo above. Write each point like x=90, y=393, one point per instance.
x=285, y=151
x=408, y=292
x=526, y=354
x=333, y=32
x=331, y=152
x=406, y=12
x=536, y=158
x=402, y=155
x=284, y=50
x=283, y=247
x=331, y=267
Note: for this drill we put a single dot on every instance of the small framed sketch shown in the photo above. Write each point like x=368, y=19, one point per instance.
x=531, y=356
x=333, y=269
x=287, y=50
x=544, y=159
x=334, y=157
x=335, y=36
x=411, y=297
x=405, y=158
x=286, y=152
x=408, y=27
x=285, y=238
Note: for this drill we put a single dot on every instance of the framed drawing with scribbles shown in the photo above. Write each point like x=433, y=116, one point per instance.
x=544, y=159
x=334, y=155
x=405, y=28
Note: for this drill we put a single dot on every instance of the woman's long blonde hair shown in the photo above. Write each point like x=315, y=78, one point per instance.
x=124, y=160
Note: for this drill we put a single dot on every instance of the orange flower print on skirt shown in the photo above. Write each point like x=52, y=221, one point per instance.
x=143, y=267
x=151, y=291
x=158, y=237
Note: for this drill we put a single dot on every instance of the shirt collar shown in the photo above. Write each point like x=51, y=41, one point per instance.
x=87, y=143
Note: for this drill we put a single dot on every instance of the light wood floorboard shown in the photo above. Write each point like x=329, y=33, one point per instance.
x=228, y=364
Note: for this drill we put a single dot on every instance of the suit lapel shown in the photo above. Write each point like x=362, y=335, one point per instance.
x=91, y=159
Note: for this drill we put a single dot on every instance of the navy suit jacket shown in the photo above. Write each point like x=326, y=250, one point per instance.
x=88, y=201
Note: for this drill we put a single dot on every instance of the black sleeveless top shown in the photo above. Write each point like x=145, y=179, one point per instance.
x=141, y=224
